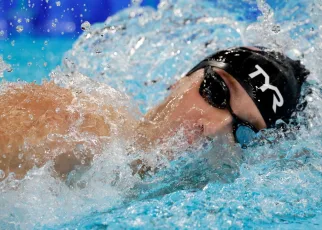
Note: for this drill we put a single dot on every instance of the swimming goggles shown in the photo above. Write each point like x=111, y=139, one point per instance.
x=215, y=91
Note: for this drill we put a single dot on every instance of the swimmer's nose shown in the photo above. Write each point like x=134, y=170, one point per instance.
x=208, y=128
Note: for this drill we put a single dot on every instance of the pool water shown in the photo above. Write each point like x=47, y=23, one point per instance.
x=140, y=52
x=32, y=59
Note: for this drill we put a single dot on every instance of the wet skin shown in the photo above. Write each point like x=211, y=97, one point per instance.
x=33, y=132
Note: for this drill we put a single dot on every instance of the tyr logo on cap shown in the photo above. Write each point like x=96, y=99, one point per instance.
x=277, y=101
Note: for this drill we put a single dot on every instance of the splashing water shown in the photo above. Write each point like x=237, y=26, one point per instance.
x=4, y=67
x=19, y=29
x=140, y=52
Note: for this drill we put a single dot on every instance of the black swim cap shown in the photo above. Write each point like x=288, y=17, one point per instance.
x=270, y=78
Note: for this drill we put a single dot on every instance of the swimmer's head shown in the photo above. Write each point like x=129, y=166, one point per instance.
x=246, y=87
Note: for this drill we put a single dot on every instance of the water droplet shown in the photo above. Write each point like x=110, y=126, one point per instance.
x=19, y=20
x=86, y=26
x=136, y=2
x=31, y=116
x=276, y=29
x=29, y=63
x=27, y=20
x=20, y=156
x=13, y=42
x=1, y=32
x=53, y=25
x=45, y=64
x=2, y=174
x=9, y=69
x=9, y=57
x=19, y=29
x=4, y=156
x=57, y=110
x=58, y=3
x=46, y=43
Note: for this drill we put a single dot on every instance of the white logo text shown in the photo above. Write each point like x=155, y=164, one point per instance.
x=277, y=101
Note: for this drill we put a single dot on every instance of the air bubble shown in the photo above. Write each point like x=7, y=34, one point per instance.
x=19, y=29
x=46, y=43
x=1, y=32
x=58, y=3
x=86, y=26
x=29, y=63
x=276, y=29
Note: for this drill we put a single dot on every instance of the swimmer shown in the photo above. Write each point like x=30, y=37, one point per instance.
x=234, y=92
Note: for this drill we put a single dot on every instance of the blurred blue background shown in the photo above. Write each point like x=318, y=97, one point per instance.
x=35, y=34
x=57, y=17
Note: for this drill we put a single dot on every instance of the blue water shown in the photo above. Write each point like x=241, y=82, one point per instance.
x=32, y=59
x=140, y=52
